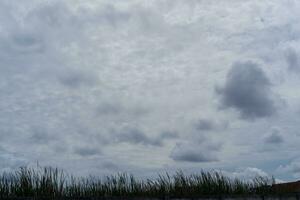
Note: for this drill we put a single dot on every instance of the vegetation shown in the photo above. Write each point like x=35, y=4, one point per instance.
x=53, y=183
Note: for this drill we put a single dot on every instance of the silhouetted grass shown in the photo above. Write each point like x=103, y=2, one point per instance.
x=53, y=183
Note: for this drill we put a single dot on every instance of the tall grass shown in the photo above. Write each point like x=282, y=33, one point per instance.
x=52, y=183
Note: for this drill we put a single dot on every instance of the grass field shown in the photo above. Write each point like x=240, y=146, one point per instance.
x=52, y=182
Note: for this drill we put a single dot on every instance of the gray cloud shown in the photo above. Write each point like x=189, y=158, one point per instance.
x=26, y=43
x=11, y=160
x=205, y=125
x=77, y=78
x=248, y=90
x=110, y=165
x=109, y=108
x=87, y=151
x=168, y=135
x=195, y=152
x=293, y=167
x=112, y=16
x=135, y=136
x=40, y=136
x=275, y=137
x=72, y=71
x=292, y=60
x=113, y=106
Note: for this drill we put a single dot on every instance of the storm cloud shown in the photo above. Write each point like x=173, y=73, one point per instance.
x=248, y=90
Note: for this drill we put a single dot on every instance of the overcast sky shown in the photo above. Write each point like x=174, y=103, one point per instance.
x=97, y=87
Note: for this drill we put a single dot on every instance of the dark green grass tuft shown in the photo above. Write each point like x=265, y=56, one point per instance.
x=53, y=183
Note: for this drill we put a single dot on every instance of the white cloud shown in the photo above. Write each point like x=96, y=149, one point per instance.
x=291, y=168
x=249, y=173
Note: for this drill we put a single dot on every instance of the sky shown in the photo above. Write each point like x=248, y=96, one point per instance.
x=100, y=87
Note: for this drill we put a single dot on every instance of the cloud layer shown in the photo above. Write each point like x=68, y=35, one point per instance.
x=105, y=86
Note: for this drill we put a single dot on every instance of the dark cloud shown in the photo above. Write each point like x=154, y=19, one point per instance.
x=41, y=138
x=41, y=134
x=113, y=16
x=168, y=135
x=195, y=152
x=248, y=90
x=26, y=43
x=108, y=108
x=205, y=125
x=274, y=137
x=87, y=151
x=113, y=106
x=136, y=136
x=109, y=165
x=292, y=60
x=191, y=156
x=77, y=78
